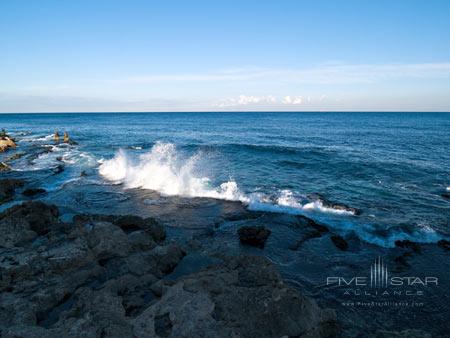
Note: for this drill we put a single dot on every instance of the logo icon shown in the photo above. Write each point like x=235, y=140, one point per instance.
x=379, y=275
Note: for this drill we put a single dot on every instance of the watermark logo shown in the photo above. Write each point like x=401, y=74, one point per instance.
x=381, y=283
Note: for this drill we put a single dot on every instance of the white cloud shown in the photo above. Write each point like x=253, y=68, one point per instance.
x=244, y=100
x=294, y=100
x=267, y=101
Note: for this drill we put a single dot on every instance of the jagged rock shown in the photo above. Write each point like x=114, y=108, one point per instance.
x=8, y=187
x=165, y=258
x=33, y=191
x=245, y=297
x=93, y=279
x=254, y=235
x=23, y=222
x=339, y=242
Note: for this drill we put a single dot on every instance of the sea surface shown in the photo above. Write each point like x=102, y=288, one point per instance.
x=372, y=178
x=393, y=167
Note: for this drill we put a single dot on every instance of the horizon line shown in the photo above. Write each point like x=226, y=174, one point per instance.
x=228, y=111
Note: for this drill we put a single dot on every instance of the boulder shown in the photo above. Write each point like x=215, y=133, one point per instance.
x=254, y=235
x=165, y=258
x=140, y=240
x=107, y=240
x=5, y=143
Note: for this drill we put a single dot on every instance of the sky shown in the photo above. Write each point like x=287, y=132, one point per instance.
x=303, y=55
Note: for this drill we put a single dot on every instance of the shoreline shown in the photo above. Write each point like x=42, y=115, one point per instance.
x=99, y=259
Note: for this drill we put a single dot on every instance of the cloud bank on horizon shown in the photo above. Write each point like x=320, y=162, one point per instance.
x=197, y=56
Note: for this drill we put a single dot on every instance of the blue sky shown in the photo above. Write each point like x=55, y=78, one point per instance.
x=224, y=55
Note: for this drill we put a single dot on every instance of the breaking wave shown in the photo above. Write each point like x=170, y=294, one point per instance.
x=165, y=170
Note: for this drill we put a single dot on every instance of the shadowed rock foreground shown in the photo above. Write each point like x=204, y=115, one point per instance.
x=109, y=276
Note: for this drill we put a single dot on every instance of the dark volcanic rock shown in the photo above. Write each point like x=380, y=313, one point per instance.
x=128, y=223
x=25, y=221
x=8, y=188
x=244, y=297
x=254, y=235
x=33, y=192
x=339, y=242
x=110, y=276
x=309, y=229
x=407, y=244
x=444, y=244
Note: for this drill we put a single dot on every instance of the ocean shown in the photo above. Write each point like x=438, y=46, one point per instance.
x=392, y=167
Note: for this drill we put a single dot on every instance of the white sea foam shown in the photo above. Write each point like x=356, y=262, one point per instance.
x=448, y=189
x=165, y=170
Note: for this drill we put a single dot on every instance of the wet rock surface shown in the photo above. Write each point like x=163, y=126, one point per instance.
x=333, y=205
x=108, y=276
x=8, y=188
x=33, y=192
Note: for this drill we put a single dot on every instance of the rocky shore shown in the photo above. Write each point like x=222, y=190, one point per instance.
x=110, y=276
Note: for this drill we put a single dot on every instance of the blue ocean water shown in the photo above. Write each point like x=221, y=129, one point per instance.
x=392, y=167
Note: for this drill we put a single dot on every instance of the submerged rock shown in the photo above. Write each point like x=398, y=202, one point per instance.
x=15, y=157
x=444, y=244
x=254, y=235
x=8, y=188
x=33, y=192
x=339, y=242
x=308, y=229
